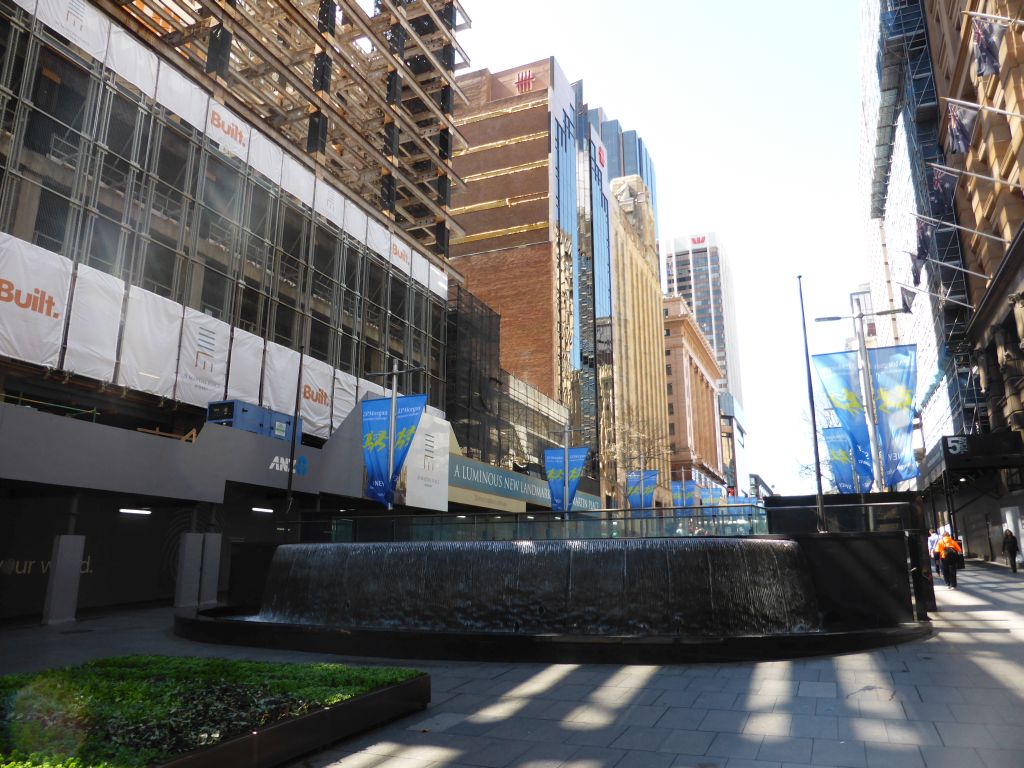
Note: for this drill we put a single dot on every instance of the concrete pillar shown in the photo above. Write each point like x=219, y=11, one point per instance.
x=190, y=568
x=210, y=578
x=62, y=585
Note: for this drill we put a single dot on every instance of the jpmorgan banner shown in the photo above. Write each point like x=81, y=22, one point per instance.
x=640, y=487
x=376, y=446
x=554, y=464
x=894, y=379
x=840, y=379
x=840, y=459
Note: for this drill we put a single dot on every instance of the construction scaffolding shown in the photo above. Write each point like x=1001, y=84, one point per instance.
x=366, y=97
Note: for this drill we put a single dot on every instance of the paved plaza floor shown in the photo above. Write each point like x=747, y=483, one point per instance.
x=954, y=700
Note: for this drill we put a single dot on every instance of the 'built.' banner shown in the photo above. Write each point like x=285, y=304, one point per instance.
x=678, y=494
x=376, y=420
x=640, y=488
x=554, y=464
x=840, y=379
x=894, y=379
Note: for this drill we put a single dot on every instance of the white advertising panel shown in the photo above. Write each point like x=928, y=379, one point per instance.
x=246, y=366
x=438, y=282
x=280, y=377
x=329, y=203
x=378, y=238
x=344, y=397
x=426, y=466
x=355, y=221
x=28, y=5
x=149, y=348
x=297, y=179
x=79, y=22
x=265, y=156
x=401, y=255
x=231, y=132
x=317, y=386
x=367, y=389
x=132, y=61
x=34, y=286
x=420, y=269
x=180, y=95
x=95, y=321
x=203, y=359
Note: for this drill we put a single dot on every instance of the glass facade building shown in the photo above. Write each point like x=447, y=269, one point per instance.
x=98, y=171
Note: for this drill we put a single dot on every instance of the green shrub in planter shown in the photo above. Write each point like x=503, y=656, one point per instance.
x=133, y=711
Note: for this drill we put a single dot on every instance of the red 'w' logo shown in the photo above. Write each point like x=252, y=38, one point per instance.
x=524, y=81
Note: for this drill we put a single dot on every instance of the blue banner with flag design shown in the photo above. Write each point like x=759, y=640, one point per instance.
x=554, y=465
x=840, y=459
x=376, y=420
x=640, y=489
x=678, y=494
x=894, y=379
x=840, y=378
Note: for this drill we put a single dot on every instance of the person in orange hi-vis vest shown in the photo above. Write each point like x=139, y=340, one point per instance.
x=947, y=549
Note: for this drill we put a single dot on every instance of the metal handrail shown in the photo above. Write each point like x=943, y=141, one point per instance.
x=73, y=412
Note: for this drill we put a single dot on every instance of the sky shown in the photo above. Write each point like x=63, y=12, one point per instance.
x=751, y=114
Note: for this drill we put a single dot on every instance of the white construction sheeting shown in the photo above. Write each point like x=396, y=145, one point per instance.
x=378, y=238
x=317, y=386
x=329, y=203
x=203, y=359
x=231, y=132
x=420, y=269
x=149, y=349
x=344, y=397
x=34, y=286
x=265, y=156
x=132, y=61
x=280, y=376
x=79, y=22
x=401, y=255
x=180, y=95
x=438, y=282
x=355, y=222
x=95, y=322
x=246, y=366
x=297, y=179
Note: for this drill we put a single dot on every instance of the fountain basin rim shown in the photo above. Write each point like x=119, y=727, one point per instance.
x=224, y=625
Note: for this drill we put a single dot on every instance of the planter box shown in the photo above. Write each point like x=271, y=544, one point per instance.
x=290, y=739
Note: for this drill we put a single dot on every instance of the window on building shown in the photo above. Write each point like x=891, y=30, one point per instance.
x=671, y=409
x=670, y=388
x=668, y=370
x=672, y=428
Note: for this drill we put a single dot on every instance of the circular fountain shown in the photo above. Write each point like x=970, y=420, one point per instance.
x=622, y=600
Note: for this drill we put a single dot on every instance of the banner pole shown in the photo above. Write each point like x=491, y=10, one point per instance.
x=565, y=473
x=291, y=450
x=982, y=107
x=820, y=504
x=869, y=395
x=960, y=172
x=391, y=429
x=940, y=223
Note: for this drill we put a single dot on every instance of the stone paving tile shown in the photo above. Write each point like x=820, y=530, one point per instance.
x=818, y=690
x=723, y=721
x=706, y=761
x=644, y=759
x=1000, y=758
x=594, y=757
x=683, y=697
x=680, y=717
x=800, y=706
x=755, y=703
x=497, y=753
x=814, y=726
x=770, y=724
x=587, y=735
x=952, y=757
x=843, y=754
x=885, y=755
x=912, y=732
x=739, y=762
x=544, y=756
x=685, y=742
x=965, y=735
x=637, y=737
x=934, y=711
x=721, y=700
x=785, y=749
x=861, y=729
x=744, y=745
x=1006, y=736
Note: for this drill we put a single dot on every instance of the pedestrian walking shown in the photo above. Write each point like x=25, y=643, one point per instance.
x=949, y=551
x=933, y=539
x=1010, y=548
